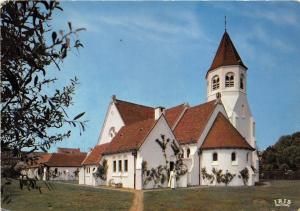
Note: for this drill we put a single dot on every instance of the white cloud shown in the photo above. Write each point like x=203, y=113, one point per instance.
x=178, y=24
x=280, y=15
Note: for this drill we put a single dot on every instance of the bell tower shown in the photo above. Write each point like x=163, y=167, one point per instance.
x=227, y=76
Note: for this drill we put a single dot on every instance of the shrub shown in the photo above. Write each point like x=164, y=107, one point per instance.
x=244, y=175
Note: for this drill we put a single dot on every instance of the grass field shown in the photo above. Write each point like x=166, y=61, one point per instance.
x=225, y=198
x=67, y=197
x=74, y=197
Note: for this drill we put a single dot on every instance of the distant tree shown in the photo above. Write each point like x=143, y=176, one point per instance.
x=284, y=155
x=34, y=111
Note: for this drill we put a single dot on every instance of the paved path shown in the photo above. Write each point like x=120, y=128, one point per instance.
x=138, y=201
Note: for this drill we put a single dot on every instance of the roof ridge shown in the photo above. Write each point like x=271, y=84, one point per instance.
x=182, y=104
x=149, y=131
x=220, y=114
x=147, y=126
x=226, y=54
x=138, y=122
x=202, y=104
x=236, y=130
x=179, y=118
x=206, y=109
x=118, y=100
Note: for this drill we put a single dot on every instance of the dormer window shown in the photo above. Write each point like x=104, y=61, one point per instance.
x=229, y=80
x=215, y=82
x=242, y=81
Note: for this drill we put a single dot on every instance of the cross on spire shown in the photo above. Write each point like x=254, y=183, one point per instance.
x=225, y=23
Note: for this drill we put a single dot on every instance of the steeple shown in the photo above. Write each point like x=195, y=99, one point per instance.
x=227, y=82
x=226, y=54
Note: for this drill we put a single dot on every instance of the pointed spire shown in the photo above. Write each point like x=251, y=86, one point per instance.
x=226, y=54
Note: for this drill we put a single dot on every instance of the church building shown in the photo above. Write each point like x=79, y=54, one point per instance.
x=143, y=147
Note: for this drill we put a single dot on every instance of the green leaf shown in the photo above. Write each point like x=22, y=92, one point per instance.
x=79, y=115
x=70, y=26
x=54, y=36
x=58, y=7
x=51, y=104
x=80, y=29
x=43, y=148
x=46, y=4
x=36, y=80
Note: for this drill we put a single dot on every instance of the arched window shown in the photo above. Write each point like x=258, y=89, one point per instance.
x=215, y=82
x=215, y=156
x=233, y=156
x=242, y=81
x=188, y=151
x=247, y=157
x=229, y=80
x=112, y=132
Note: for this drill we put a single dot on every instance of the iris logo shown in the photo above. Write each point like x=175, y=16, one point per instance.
x=282, y=202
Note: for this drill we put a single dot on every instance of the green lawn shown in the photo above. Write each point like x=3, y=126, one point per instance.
x=72, y=197
x=68, y=197
x=225, y=198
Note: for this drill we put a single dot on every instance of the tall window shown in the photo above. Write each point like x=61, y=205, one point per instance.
x=253, y=129
x=242, y=81
x=115, y=166
x=120, y=165
x=215, y=82
x=188, y=152
x=215, y=156
x=125, y=165
x=233, y=156
x=229, y=80
x=247, y=157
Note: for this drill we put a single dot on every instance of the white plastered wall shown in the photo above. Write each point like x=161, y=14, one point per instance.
x=112, y=119
x=224, y=163
x=64, y=173
x=193, y=161
x=236, y=104
x=86, y=176
x=126, y=178
x=151, y=152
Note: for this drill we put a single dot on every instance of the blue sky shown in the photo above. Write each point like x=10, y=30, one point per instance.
x=157, y=54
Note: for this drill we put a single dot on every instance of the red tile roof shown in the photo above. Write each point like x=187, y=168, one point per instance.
x=193, y=122
x=130, y=137
x=131, y=112
x=39, y=158
x=226, y=54
x=68, y=150
x=65, y=160
x=172, y=114
x=224, y=135
x=95, y=155
x=43, y=158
